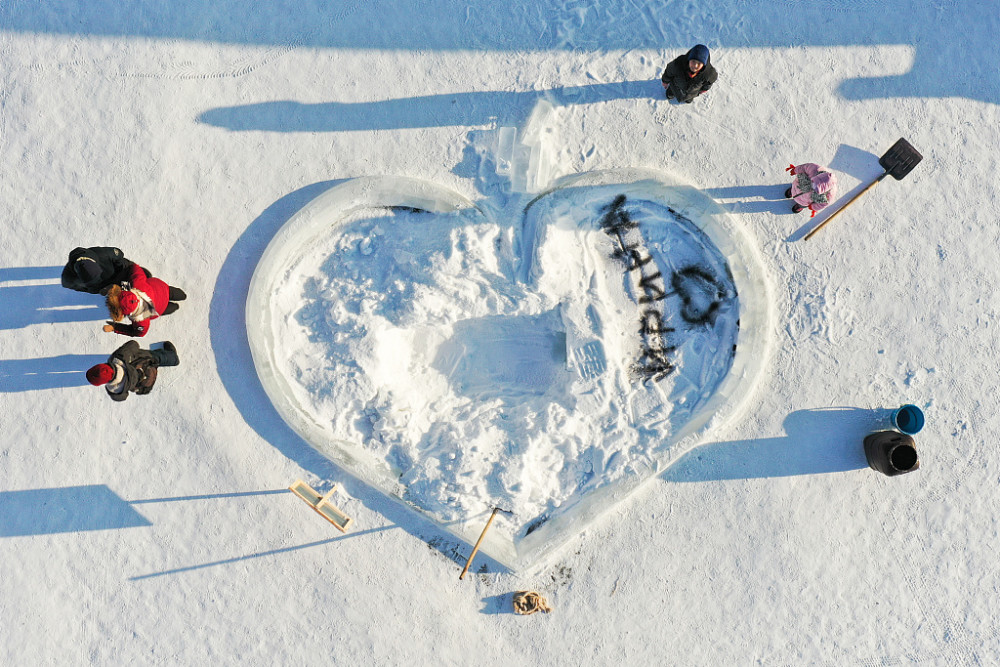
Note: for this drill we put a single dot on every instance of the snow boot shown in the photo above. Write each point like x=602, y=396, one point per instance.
x=788, y=193
x=797, y=208
x=167, y=356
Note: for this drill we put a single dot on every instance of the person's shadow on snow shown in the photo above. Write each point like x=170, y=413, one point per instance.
x=446, y=110
x=67, y=370
x=498, y=604
x=69, y=509
x=23, y=305
x=753, y=198
x=820, y=440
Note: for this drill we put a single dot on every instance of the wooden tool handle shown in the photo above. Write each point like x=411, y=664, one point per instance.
x=837, y=212
x=478, y=542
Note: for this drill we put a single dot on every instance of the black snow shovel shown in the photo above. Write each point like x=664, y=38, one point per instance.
x=898, y=161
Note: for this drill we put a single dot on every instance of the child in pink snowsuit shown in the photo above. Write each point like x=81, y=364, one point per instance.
x=813, y=188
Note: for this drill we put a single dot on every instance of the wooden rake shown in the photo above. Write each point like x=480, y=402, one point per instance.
x=898, y=161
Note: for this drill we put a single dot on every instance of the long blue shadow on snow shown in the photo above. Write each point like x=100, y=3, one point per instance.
x=30, y=273
x=498, y=604
x=262, y=554
x=24, y=305
x=753, y=198
x=81, y=508
x=228, y=330
x=947, y=41
x=234, y=362
x=69, y=509
x=67, y=370
x=446, y=110
x=210, y=496
x=817, y=441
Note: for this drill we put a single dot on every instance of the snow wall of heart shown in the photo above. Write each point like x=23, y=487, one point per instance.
x=684, y=419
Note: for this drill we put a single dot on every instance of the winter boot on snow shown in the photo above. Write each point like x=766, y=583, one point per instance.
x=797, y=208
x=167, y=356
x=788, y=193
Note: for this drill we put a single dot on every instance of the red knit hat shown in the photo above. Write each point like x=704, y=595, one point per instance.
x=129, y=302
x=100, y=374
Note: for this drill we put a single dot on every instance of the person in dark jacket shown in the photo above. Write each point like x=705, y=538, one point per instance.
x=690, y=75
x=94, y=270
x=131, y=369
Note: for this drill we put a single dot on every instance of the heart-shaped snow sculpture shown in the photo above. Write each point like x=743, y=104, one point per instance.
x=540, y=364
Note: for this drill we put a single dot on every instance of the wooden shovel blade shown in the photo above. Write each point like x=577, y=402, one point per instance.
x=900, y=160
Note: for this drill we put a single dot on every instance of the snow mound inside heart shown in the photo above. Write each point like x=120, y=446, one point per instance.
x=515, y=365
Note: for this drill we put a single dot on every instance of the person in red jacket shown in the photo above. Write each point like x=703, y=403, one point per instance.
x=145, y=300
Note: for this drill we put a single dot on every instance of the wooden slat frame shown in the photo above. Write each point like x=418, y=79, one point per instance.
x=322, y=505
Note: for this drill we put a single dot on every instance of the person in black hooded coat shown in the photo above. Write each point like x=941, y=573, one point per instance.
x=93, y=270
x=689, y=75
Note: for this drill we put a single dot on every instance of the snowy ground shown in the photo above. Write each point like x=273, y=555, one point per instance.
x=157, y=531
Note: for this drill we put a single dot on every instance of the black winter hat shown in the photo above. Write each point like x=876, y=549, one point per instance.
x=700, y=53
x=87, y=269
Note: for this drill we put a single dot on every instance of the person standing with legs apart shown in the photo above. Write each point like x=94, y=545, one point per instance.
x=690, y=75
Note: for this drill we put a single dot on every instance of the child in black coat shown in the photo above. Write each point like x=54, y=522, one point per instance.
x=690, y=75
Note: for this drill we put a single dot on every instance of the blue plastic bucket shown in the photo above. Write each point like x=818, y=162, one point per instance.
x=908, y=419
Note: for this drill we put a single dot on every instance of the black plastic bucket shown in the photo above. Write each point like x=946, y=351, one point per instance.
x=891, y=453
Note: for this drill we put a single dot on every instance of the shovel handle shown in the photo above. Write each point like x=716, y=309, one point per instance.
x=837, y=212
x=475, y=549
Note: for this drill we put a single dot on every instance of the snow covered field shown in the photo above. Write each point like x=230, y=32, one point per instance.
x=159, y=531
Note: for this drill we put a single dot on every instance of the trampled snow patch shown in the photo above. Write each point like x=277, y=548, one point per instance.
x=539, y=365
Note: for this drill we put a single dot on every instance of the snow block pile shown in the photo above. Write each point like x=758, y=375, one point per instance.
x=528, y=162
